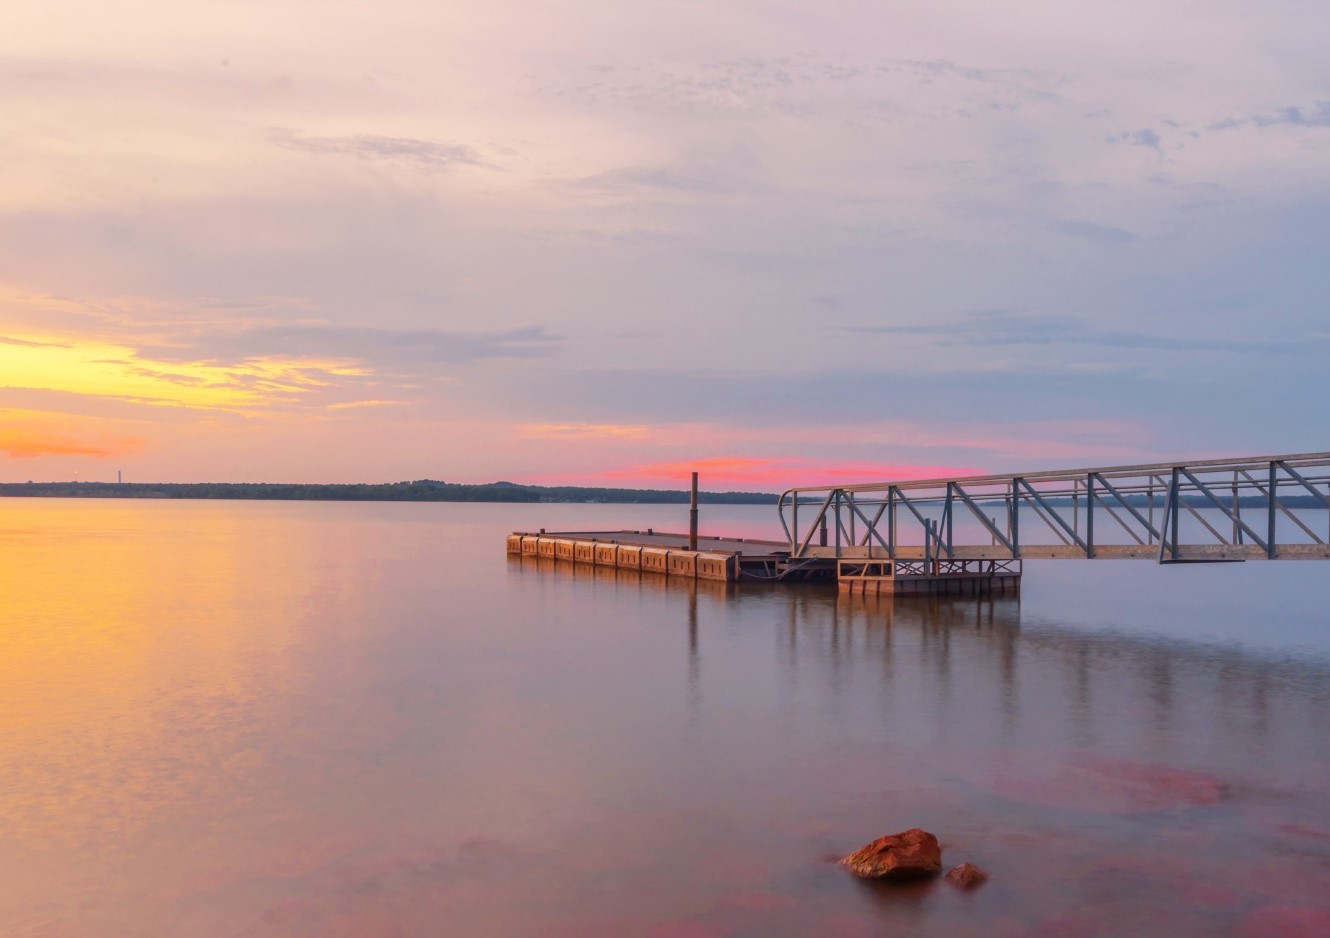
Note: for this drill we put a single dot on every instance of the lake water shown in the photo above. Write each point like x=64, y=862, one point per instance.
x=276, y=719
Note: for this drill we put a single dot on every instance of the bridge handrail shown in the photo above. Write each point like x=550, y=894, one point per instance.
x=1181, y=483
x=1067, y=475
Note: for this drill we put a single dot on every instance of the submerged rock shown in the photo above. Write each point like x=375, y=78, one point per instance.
x=967, y=876
x=907, y=855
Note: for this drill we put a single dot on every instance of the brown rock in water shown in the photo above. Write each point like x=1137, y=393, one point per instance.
x=967, y=876
x=906, y=855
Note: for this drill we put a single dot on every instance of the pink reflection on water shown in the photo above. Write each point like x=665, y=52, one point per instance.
x=1084, y=782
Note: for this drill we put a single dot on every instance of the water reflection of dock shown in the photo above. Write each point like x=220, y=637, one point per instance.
x=625, y=577
x=970, y=671
x=991, y=676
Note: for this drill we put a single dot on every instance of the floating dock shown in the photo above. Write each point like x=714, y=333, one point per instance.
x=716, y=558
x=903, y=538
x=730, y=559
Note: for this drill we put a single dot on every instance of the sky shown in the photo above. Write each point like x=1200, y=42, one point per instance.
x=608, y=242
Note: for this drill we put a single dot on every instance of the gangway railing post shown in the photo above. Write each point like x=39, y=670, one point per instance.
x=1271, y=505
x=891, y=521
x=946, y=523
x=1174, y=496
x=1015, y=519
x=1237, y=511
x=692, y=514
x=1150, y=495
x=839, y=496
x=1089, y=516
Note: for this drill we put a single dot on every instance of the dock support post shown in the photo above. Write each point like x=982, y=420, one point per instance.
x=692, y=515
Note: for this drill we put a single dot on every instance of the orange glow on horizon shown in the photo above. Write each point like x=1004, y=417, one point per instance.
x=23, y=444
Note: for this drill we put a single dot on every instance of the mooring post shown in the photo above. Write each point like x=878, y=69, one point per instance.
x=692, y=515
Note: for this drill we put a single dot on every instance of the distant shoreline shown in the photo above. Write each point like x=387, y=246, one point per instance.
x=426, y=490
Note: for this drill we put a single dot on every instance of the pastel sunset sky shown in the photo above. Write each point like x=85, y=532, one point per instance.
x=603, y=242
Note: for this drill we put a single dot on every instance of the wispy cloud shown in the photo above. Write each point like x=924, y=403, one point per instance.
x=29, y=343
x=386, y=348
x=357, y=405
x=1091, y=231
x=1008, y=328
x=425, y=155
x=1316, y=115
x=1145, y=137
x=805, y=85
x=633, y=179
x=584, y=431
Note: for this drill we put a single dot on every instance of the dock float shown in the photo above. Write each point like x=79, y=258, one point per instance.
x=930, y=577
x=716, y=558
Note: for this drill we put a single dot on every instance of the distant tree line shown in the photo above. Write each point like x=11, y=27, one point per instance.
x=423, y=490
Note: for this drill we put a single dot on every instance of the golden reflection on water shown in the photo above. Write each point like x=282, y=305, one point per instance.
x=221, y=719
x=142, y=669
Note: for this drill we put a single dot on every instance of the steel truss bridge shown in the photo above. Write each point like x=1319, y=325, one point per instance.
x=1215, y=510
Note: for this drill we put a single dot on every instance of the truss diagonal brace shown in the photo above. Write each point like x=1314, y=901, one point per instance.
x=928, y=531
x=870, y=527
x=812, y=528
x=983, y=519
x=1236, y=519
x=1303, y=482
x=1140, y=519
x=1261, y=490
x=1039, y=500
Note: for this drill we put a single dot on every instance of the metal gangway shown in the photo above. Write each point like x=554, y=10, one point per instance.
x=1212, y=510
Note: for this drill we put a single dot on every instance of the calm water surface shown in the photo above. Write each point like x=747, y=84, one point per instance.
x=272, y=719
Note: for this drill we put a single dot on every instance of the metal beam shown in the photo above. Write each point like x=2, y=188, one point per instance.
x=866, y=516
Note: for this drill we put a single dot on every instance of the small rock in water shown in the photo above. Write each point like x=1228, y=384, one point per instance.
x=906, y=855
x=967, y=876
